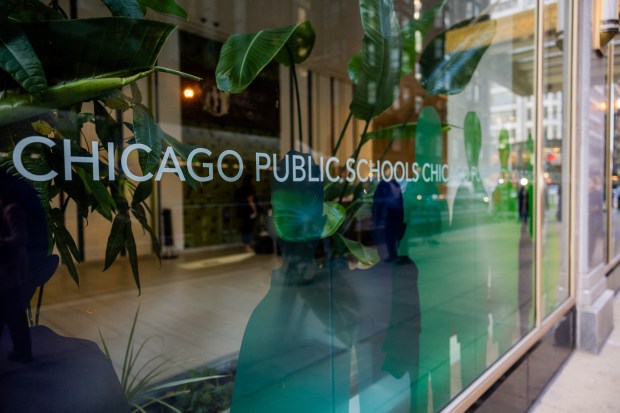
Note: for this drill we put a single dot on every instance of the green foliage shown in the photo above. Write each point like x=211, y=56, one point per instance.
x=365, y=255
x=203, y=396
x=335, y=214
x=164, y=6
x=449, y=73
x=18, y=59
x=473, y=138
x=137, y=8
x=50, y=66
x=127, y=8
x=244, y=56
x=28, y=10
x=138, y=377
x=379, y=76
x=388, y=53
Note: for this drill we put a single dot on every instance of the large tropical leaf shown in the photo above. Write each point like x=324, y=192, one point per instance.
x=450, y=60
x=472, y=132
x=408, y=35
x=164, y=6
x=298, y=46
x=24, y=106
x=379, y=76
x=244, y=56
x=19, y=60
x=98, y=47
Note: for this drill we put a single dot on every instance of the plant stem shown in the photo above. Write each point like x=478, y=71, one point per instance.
x=387, y=149
x=298, y=104
x=355, y=155
x=294, y=74
x=344, y=129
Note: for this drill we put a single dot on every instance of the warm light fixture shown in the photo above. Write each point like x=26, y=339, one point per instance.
x=524, y=181
x=188, y=93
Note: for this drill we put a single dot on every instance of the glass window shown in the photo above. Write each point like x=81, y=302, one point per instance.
x=343, y=215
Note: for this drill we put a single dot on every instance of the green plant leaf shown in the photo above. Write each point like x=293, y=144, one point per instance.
x=448, y=73
x=335, y=214
x=132, y=253
x=104, y=201
x=124, y=8
x=244, y=56
x=64, y=242
x=105, y=126
x=165, y=6
x=298, y=46
x=27, y=11
x=143, y=191
x=184, y=381
x=18, y=59
x=379, y=77
x=115, y=99
x=116, y=239
x=472, y=132
x=136, y=95
x=182, y=149
x=366, y=255
x=150, y=134
x=139, y=213
x=20, y=107
x=410, y=53
x=99, y=47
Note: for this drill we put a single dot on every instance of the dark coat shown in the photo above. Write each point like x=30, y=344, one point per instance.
x=13, y=240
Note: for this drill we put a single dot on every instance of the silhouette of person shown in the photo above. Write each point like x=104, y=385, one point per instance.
x=505, y=194
x=247, y=212
x=13, y=271
x=468, y=223
x=426, y=219
x=287, y=356
x=401, y=344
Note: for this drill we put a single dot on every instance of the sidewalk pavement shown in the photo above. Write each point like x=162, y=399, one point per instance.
x=587, y=382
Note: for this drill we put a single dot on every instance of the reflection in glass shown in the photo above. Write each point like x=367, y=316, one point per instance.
x=382, y=294
x=555, y=151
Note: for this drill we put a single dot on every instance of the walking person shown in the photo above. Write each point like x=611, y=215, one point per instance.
x=247, y=212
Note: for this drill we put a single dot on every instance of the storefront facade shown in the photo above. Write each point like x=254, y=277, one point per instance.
x=418, y=214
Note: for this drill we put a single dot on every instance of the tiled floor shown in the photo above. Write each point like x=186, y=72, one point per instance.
x=587, y=382
x=185, y=309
